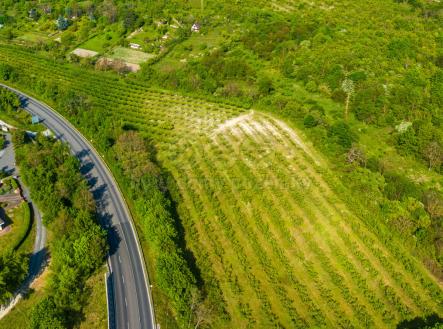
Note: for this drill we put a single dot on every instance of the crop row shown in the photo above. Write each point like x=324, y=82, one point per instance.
x=328, y=269
x=358, y=230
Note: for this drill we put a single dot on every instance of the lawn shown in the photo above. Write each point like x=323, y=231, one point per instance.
x=96, y=308
x=130, y=55
x=19, y=221
x=193, y=47
x=19, y=316
x=143, y=36
x=33, y=37
x=21, y=120
x=101, y=42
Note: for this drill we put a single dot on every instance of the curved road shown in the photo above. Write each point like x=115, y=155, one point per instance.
x=132, y=302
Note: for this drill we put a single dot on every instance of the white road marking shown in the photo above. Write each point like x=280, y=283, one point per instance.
x=126, y=302
x=119, y=259
x=123, y=279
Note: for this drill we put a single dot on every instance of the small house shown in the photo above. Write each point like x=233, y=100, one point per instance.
x=135, y=46
x=195, y=27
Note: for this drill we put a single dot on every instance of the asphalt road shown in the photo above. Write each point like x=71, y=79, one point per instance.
x=133, y=307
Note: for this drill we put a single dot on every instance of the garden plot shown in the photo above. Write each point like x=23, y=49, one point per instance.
x=84, y=53
x=130, y=55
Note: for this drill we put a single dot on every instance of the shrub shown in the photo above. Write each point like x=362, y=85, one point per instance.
x=340, y=133
x=310, y=121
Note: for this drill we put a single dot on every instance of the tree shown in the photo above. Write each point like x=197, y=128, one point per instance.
x=356, y=155
x=201, y=313
x=9, y=101
x=265, y=85
x=46, y=315
x=7, y=72
x=341, y=134
x=33, y=14
x=434, y=154
x=13, y=269
x=134, y=156
x=109, y=10
x=310, y=121
x=433, y=202
x=62, y=23
x=348, y=87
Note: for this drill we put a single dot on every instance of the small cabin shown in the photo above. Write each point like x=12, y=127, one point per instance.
x=195, y=27
x=135, y=46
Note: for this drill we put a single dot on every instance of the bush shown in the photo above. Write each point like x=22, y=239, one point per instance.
x=310, y=121
x=340, y=133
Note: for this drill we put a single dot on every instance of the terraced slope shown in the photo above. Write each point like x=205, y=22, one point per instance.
x=261, y=213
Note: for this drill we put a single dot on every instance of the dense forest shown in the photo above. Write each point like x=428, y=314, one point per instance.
x=78, y=245
x=362, y=80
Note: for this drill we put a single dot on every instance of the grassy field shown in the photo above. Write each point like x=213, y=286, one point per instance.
x=95, y=310
x=20, y=220
x=262, y=214
x=33, y=37
x=18, y=317
x=100, y=42
x=130, y=55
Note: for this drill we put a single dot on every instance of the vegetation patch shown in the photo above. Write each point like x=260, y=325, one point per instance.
x=130, y=55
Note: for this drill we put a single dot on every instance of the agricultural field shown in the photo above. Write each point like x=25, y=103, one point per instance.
x=33, y=37
x=274, y=238
x=279, y=241
x=130, y=55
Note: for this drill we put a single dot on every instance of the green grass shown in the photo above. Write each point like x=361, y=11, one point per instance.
x=101, y=42
x=33, y=37
x=96, y=310
x=19, y=317
x=21, y=120
x=130, y=55
x=263, y=214
x=20, y=220
x=193, y=47
x=142, y=37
